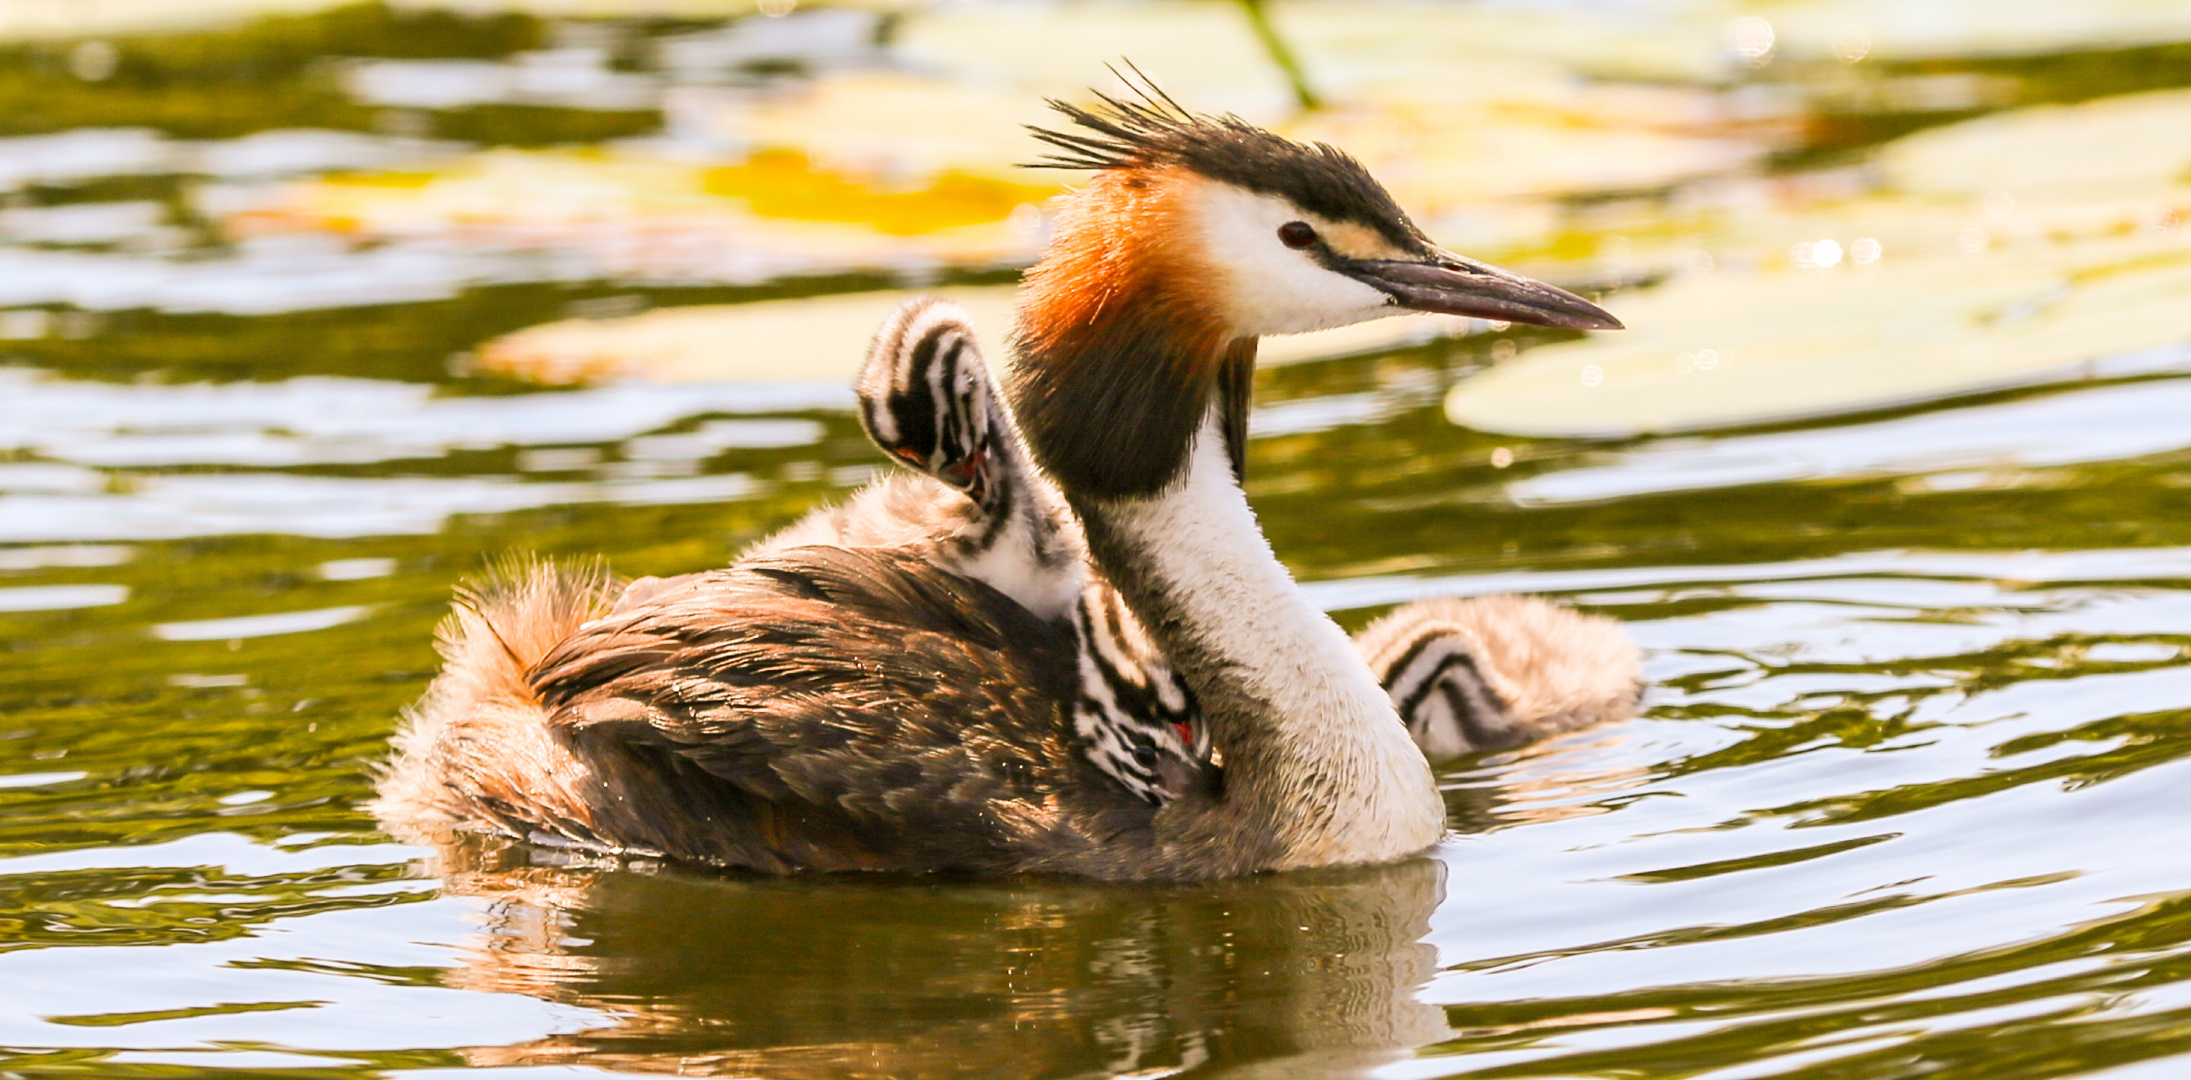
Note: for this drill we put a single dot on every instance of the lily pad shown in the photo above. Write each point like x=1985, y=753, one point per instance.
x=823, y=339
x=2128, y=143
x=814, y=339
x=1952, y=284
x=644, y=216
x=1897, y=29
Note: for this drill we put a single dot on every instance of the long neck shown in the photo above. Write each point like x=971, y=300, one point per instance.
x=1318, y=768
x=1133, y=393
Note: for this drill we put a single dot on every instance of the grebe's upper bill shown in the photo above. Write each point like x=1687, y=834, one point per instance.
x=1450, y=284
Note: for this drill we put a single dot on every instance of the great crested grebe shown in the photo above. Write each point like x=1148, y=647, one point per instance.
x=1486, y=673
x=839, y=708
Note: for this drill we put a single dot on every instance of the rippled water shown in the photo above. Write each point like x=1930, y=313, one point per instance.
x=1905, y=792
x=1905, y=799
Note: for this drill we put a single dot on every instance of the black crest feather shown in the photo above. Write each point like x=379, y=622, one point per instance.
x=1150, y=129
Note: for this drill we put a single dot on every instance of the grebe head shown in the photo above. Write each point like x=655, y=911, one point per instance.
x=1196, y=236
x=1284, y=237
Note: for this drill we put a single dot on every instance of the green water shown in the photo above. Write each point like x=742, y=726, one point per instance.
x=1905, y=800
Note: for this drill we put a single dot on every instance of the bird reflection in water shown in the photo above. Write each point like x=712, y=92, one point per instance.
x=1307, y=973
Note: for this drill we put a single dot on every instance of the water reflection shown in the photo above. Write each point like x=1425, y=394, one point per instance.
x=1302, y=974
x=318, y=421
x=121, y=444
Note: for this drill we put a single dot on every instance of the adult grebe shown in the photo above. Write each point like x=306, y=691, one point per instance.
x=833, y=708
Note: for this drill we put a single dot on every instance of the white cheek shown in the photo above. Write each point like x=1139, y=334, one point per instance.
x=1267, y=287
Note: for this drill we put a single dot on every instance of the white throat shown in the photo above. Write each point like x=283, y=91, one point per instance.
x=1309, y=736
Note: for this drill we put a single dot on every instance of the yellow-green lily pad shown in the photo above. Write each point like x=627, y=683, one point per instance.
x=2113, y=145
x=823, y=339
x=773, y=213
x=1980, y=264
x=1722, y=350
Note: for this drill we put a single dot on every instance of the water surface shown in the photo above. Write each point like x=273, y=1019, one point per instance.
x=1904, y=800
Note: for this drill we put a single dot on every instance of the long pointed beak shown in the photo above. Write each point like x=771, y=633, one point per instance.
x=1453, y=285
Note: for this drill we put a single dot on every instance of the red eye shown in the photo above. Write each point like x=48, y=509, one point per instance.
x=1296, y=234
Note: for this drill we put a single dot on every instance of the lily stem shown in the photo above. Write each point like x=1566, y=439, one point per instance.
x=1280, y=53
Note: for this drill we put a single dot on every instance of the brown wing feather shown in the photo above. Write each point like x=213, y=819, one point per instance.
x=846, y=708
